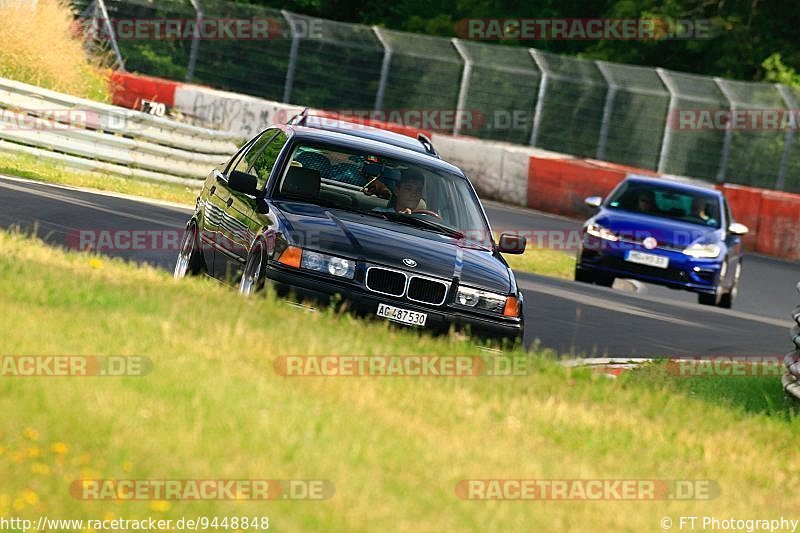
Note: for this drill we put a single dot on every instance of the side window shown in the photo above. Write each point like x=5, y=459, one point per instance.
x=244, y=163
x=261, y=162
x=234, y=161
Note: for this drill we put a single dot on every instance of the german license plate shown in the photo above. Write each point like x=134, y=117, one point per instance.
x=404, y=316
x=641, y=258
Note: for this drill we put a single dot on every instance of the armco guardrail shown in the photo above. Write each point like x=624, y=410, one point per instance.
x=791, y=379
x=89, y=135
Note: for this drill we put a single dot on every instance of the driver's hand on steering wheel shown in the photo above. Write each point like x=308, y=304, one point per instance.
x=376, y=188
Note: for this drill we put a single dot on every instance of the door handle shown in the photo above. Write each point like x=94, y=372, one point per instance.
x=213, y=188
x=229, y=202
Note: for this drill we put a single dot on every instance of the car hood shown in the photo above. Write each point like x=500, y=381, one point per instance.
x=375, y=240
x=665, y=231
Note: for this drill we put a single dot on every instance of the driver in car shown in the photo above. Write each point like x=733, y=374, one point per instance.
x=407, y=194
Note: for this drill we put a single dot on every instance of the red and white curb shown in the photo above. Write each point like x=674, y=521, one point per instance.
x=611, y=366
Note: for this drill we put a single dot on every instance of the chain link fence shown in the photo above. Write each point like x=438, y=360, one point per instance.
x=643, y=117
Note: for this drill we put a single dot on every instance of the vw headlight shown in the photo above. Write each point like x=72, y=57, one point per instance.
x=703, y=251
x=488, y=301
x=336, y=266
x=601, y=233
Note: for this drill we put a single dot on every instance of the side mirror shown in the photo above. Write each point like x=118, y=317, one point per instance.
x=738, y=229
x=593, y=201
x=243, y=182
x=511, y=243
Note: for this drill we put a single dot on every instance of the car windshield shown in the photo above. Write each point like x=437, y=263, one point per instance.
x=396, y=190
x=694, y=207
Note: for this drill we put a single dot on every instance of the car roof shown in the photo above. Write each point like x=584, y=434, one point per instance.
x=674, y=184
x=364, y=131
x=373, y=145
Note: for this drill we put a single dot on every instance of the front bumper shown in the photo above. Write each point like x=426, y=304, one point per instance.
x=306, y=286
x=683, y=271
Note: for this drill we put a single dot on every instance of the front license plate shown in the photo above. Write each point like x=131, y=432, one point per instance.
x=658, y=261
x=404, y=316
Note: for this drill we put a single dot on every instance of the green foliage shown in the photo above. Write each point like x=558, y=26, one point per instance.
x=776, y=72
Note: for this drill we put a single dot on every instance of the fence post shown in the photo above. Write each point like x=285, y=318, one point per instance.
x=791, y=105
x=387, y=61
x=666, y=141
x=287, y=87
x=195, y=40
x=462, y=90
x=607, y=107
x=537, y=113
x=111, y=35
x=726, y=144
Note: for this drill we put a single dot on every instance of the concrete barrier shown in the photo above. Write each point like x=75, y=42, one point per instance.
x=560, y=185
x=745, y=204
x=779, y=230
x=128, y=90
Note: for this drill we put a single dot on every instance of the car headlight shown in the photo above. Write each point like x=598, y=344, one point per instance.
x=601, y=233
x=335, y=266
x=485, y=300
x=706, y=251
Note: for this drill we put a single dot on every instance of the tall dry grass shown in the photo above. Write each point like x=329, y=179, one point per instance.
x=38, y=46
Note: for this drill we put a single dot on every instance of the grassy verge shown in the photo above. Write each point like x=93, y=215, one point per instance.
x=213, y=407
x=26, y=166
x=543, y=261
x=759, y=392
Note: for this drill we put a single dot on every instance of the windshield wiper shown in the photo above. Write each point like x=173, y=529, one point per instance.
x=423, y=223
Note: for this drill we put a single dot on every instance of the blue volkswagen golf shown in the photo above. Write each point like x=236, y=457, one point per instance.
x=664, y=232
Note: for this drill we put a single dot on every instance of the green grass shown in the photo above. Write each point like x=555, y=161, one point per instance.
x=759, y=393
x=213, y=407
x=26, y=166
x=543, y=261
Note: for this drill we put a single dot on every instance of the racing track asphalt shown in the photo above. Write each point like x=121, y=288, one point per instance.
x=571, y=318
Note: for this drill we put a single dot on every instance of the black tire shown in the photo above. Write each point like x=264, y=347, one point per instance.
x=253, y=276
x=190, y=257
x=604, y=280
x=583, y=276
x=707, y=299
x=729, y=297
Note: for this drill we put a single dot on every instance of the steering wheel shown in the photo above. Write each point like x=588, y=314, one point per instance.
x=426, y=212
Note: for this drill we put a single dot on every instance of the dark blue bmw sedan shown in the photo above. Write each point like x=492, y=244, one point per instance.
x=665, y=232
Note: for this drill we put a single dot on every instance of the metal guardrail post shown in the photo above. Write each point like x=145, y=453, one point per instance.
x=102, y=5
x=464, y=87
x=287, y=88
x=666, y=140
x=198, y=8
x=385, y=65
x=791, y=104
x=537, y=113
x=605, y=123
x=726, y=144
